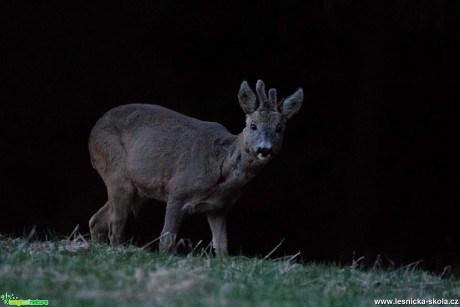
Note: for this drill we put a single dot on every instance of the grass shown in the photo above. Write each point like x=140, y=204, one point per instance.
x=73, y=272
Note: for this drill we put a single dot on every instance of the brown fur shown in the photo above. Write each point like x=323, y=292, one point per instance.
x=148, y=151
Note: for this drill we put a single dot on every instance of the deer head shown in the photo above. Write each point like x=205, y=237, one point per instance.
x=266, y=119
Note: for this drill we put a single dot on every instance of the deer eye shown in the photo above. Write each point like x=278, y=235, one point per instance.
x=278, y=129
x=253, y=127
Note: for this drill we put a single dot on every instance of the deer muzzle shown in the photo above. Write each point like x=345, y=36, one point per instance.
x=264, y=153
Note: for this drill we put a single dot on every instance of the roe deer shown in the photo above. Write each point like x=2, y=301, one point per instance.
x=146, y=151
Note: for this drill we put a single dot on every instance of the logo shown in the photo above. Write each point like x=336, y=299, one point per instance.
x=12, y=300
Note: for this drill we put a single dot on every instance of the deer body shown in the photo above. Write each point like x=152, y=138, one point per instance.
x=148, y=151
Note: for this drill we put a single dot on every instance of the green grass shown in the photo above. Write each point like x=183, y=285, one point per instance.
x=75, y=273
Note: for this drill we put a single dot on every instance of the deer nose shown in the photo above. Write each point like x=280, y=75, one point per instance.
x=264, y=152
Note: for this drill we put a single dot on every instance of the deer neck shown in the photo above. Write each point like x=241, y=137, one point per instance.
x=239, y=165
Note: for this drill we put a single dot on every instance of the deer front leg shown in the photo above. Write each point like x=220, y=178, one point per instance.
x=218, y=222
x=173, y=219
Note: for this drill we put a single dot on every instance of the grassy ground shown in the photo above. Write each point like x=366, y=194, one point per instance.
x=75, y=273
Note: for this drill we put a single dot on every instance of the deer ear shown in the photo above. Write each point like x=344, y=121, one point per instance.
x=291, y=105
x=247, y=98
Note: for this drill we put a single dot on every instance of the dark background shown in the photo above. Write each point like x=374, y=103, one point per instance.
x=370, y=165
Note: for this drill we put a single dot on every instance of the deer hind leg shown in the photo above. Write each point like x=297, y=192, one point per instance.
x=99, y=224
x=120, y=202
x=218, y=223
x=173, y=219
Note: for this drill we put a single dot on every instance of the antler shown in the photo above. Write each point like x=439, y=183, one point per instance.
x=260, y=89
x=272, y=97
x=266, y=104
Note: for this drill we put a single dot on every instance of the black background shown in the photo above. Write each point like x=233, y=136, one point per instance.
x=370, y=165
